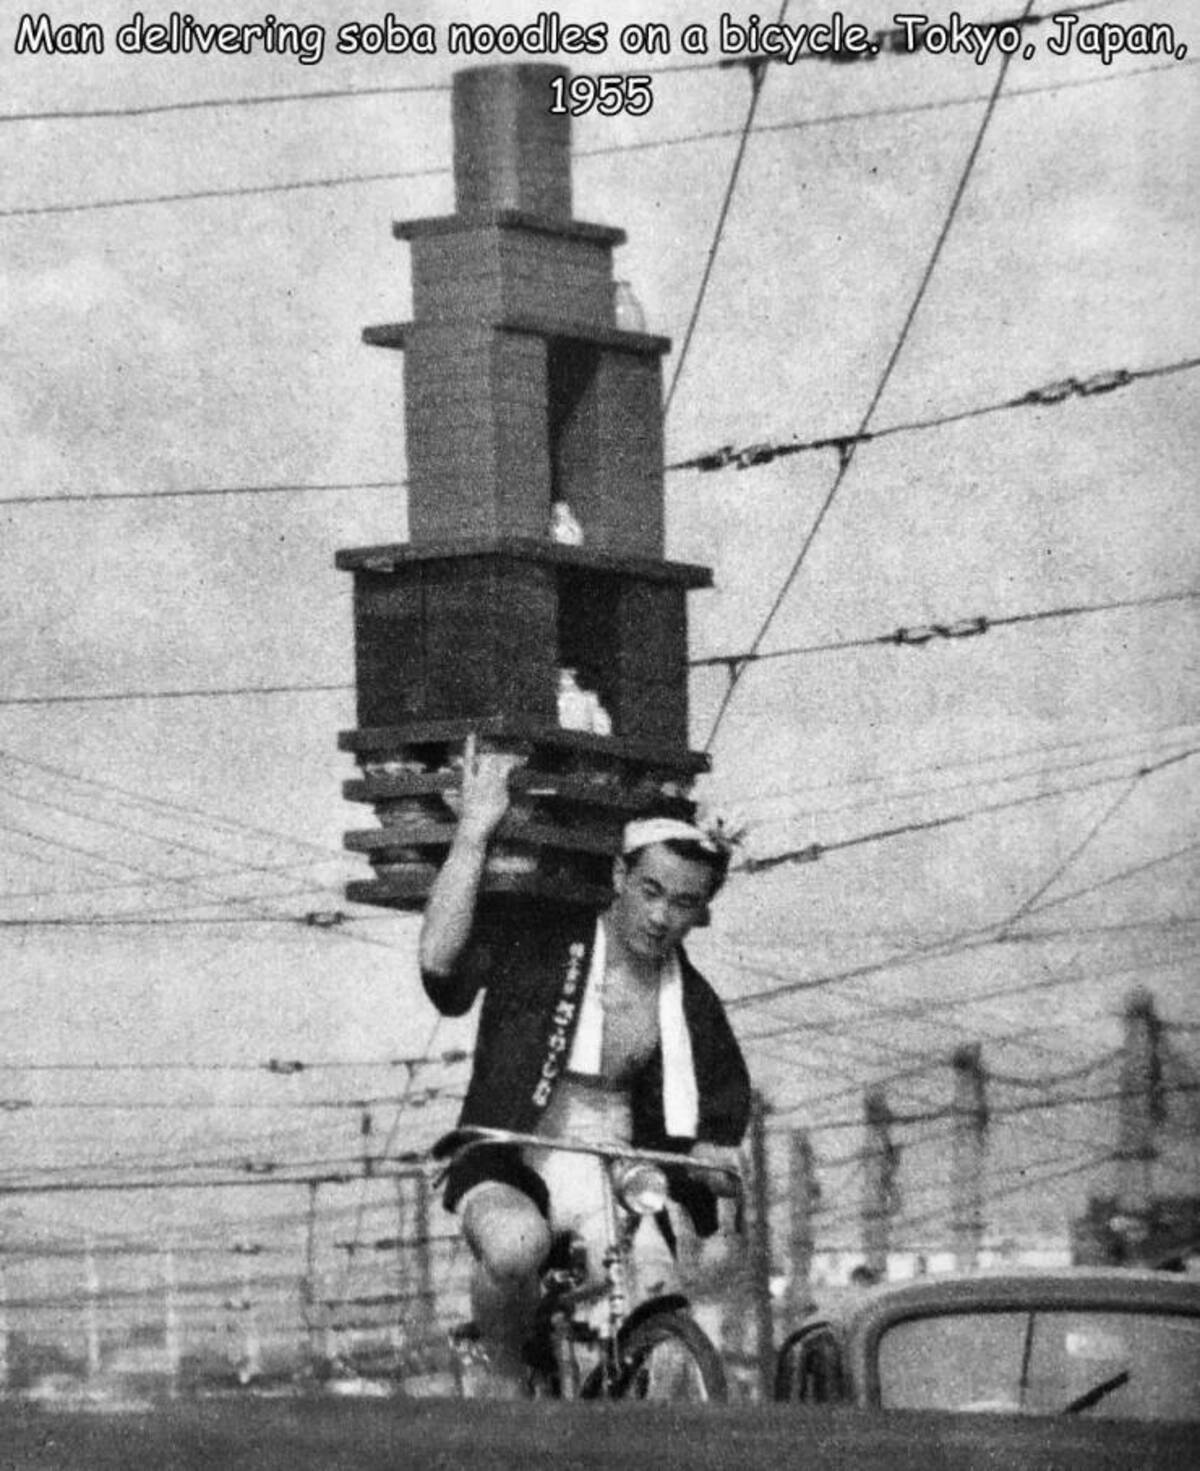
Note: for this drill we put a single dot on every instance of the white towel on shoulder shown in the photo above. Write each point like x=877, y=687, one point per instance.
x=681, y=1104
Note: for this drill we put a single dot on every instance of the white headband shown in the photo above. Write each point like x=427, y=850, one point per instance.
x=649, y=830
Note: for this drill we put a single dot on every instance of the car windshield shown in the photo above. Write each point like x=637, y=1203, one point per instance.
x=1126, y=1365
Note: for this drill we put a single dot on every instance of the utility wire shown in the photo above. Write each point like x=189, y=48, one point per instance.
x=1028, y=903
x=814, y=851
x=811, y=1104
x=846, y=454
x=1133, y=871
x=853, y=1025
x=919, y=636
x=179, y=845
x=1138, y=736
x=828, y=120
x=780, y=810
x=916, y=636
x=201, y=104
x=1069, y=1075
x=1093, y=832
x=348, y=1176
x=1048, y=395
x=150, y=922
x=756, y=73
x=1011, y=1110
x=724, y=458
x=204, y=1105
x=195, y=884
x=202, y=850
x=1021, y=1186
x=215, y=820
x=727, y=456
x=887, y=41
x=328, y=94
x=941, y=949
x=279, y=1067
x=195, y=492
x=388, y=1147
x=872, y=114
x=199, y=693
x=189, y=196
x=750, y=866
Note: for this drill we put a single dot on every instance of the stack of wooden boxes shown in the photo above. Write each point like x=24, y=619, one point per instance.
x=520, y=392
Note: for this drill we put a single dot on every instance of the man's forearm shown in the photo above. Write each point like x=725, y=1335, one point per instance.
x=450, y=911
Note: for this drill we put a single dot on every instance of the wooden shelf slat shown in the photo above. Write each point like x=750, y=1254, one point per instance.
x=401, y=891
x=431, y=832
x=369, y=739
x=398, y=335
x=556, y=786
x=391, y=556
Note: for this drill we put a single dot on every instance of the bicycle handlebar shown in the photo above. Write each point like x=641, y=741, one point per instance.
x=727, y=1181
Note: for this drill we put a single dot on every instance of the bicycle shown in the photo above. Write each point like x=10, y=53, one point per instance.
x=656, y=1351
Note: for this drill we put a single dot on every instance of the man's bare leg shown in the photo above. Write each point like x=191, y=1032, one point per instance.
x=509, y=1240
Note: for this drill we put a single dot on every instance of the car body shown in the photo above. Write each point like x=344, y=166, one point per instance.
x=1102, y=1342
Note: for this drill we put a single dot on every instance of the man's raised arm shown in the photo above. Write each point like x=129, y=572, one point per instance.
x=450, y=912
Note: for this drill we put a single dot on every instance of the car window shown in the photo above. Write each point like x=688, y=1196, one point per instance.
x=1137, y=1366
x=1129, y=1365
x=954, y=1361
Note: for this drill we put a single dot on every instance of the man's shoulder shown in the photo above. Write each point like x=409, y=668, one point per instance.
x=522, y=932
x=694, y=979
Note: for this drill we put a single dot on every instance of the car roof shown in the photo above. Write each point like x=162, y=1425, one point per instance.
x=1119, y=1288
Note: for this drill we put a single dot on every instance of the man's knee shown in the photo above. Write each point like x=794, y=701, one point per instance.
x=506, y=1232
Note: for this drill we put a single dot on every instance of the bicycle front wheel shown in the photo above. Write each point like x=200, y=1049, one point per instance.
x=668, y=1356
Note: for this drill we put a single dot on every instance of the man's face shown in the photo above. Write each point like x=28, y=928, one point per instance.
x=660, y=896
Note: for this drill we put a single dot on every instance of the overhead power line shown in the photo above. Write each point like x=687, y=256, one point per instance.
x=684, y=140
x=205, y=104
x=186, y=1105
x=915, y=636
x=217, y=821
x=183, y=881
x=974, y=765
x=1048, y=395
x=1011, y=1110
x=846, y=454
x=922, y=635
x=173, y=921
x=216, y=692
x=896, y=40
x=190, y=196
x=983, y=937
x=234, y=1182
x=280, y=1067
x=751, y=866
x=351, y=94
x=873, y=114
x=813, y=851
x=756, y=73
x=196, y=492
x=725, y=457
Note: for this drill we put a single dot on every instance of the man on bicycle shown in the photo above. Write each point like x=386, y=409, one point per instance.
x=599, y=1029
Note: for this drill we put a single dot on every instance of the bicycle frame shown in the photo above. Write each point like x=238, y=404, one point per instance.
x=562, y=1293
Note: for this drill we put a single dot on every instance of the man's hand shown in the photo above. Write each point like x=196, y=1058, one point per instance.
x=450, y=910
x=727, y=1158
x=484, y=798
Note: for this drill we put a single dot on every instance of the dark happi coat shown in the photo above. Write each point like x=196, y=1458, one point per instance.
x=532, y=972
